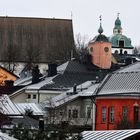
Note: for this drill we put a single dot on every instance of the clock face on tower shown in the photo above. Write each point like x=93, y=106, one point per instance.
x=106, y=49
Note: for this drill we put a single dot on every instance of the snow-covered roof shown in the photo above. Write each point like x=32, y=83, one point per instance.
x=7, y=107
x=135, y=67
x=36, y=108
x=86, y=89
x=110, y=134
x=127, y=82
x=4, y=136
x=23, y=81
x=47, y=80
x=61, y=68
x=124, y=82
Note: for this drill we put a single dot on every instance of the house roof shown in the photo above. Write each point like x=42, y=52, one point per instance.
x=110, y=134
x=36, y=108
x=48, y=36
x=70, y=73
x=135, y=67
x=11, y=73
x=8, y=107
x=123, y=81
x=27, y=122
x=86, y=89
x=4, y=136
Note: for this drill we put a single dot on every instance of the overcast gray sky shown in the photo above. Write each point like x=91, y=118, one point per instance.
x=85, y=14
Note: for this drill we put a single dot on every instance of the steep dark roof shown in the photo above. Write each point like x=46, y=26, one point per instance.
x=100, y=38
x=52, y=38
x=72, y=73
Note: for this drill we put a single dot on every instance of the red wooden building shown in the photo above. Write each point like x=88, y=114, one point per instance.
x=118, y=100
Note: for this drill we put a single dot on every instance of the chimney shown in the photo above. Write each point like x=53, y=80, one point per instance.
x=74, y=89
x=9, y=83
x=52, y=69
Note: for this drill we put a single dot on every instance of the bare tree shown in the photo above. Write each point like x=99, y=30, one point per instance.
x=136, y=50
x=81, y=43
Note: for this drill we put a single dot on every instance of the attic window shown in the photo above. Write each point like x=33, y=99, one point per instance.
x=121, y=43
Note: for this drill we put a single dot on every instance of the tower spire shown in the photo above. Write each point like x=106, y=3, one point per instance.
x=100, y=30
x=117, y=29
x=118, y=14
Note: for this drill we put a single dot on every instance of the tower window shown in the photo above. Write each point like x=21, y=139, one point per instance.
x=121, y=43
x=91, y=49
x=106, y=49
x=116, y=52
x=125, y=52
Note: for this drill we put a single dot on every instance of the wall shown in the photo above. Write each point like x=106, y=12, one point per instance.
x=117, y=103
x=100, y=57
x=80, y=105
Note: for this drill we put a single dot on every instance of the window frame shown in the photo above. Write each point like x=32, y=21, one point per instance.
x=111, y=114
x=88, y=112
x=104, y=112
x=29, y=96
x=75, y=113
x=34, y=96
x=124, y=112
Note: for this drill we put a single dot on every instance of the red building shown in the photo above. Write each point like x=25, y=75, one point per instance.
x=118, y=100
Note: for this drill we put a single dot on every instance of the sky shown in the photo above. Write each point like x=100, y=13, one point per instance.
x=84, y=14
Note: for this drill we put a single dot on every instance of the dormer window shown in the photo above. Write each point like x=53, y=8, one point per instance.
x=121, y=43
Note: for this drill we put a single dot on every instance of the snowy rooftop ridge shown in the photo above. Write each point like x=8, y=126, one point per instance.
x=47, y=80
x=85, y=89
x=36, y=108
x=7, y=106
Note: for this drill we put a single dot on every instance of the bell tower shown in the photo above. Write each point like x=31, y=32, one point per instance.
x=117, y=29
x=100, y=49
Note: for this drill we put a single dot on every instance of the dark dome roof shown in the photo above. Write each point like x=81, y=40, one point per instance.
x=100, y=38
x=117, y=22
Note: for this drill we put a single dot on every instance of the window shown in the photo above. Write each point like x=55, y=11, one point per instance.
x=111, y=114
x=103, y=114
x=29, y=96
x=116, y=52
x=61, y=113
x=124, y=112
x=121, y=43
x=88, y=112
x=69, y=113
x=75, y=113
x=106, y=49
x=125, y=52
x=34, y=96
x=91, y=49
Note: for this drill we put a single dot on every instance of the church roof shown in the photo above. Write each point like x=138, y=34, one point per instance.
x=117, y=37
x=100, y=38
x=117, y=23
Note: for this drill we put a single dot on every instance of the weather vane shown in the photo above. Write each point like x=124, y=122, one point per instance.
x=118, y=14
x=100, y=18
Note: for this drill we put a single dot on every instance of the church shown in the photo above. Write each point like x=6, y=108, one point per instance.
x=107, y=51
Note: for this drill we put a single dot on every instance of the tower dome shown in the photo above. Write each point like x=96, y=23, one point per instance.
x=118, y=22
x=117, y=29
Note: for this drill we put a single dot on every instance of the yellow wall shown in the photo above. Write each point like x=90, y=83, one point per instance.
x=5, y=75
